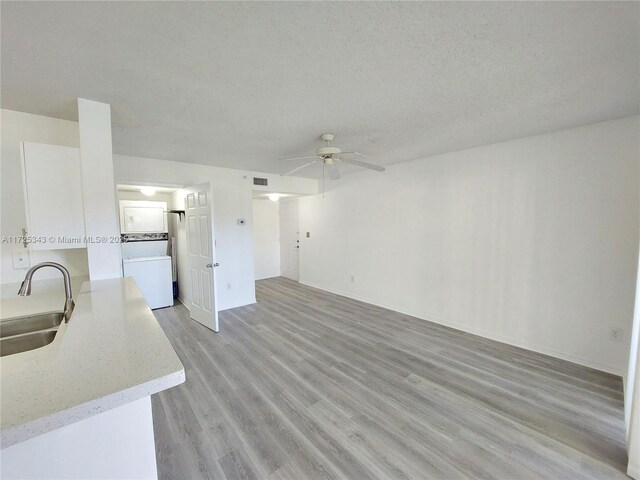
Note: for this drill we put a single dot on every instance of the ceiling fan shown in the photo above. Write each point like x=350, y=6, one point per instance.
x=330, y=157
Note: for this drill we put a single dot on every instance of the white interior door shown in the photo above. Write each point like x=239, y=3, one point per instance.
x=289, y=239
x=199, y=228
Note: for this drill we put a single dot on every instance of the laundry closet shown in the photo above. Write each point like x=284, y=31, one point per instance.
x=148, y=246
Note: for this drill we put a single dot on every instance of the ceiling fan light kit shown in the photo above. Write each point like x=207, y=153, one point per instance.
x=330, y=156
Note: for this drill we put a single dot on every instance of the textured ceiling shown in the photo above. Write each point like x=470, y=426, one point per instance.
x=242, y=84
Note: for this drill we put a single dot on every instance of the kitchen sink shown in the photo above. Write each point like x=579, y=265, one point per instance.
x=28, y=333
x=23, y=343
x=32, y=323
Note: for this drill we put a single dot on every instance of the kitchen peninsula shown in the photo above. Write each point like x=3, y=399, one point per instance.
x=80, y=407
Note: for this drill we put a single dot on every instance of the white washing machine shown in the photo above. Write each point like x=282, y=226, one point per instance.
x=145, y=259
x=153, y=276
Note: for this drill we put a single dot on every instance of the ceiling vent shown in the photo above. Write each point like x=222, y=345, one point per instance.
x=261, y=181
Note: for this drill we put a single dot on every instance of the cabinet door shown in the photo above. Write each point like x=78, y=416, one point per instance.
x=53, y=196
x=142, y=216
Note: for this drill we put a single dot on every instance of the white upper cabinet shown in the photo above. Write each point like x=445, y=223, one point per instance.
x=53, y=196
x=141, y=216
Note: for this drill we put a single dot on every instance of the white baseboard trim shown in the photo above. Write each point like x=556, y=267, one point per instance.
x=478, y=331
x=238, y=306
x=270, y=276
x=220, y=310
x=183, y=302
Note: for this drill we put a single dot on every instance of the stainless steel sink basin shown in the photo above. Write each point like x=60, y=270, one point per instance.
x=23, y=343
x=28, y=333
x=32, y=323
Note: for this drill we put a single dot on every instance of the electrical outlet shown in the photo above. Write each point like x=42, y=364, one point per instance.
x=353, y=279
x=615, y=334
x=20, y=258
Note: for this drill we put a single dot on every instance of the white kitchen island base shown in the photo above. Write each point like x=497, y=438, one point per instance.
x=116, y=444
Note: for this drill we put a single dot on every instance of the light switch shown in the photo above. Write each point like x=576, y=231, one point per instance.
x=20, y=258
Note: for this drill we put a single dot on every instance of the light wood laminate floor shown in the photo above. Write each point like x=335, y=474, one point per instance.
x=310, y=385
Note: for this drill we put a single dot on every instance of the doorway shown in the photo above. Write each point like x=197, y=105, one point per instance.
x=175, y=227
x=148, y=242
x=266, y=237
x=289, y=239
x=275, y=235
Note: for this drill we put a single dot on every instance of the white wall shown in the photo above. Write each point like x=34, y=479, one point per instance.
x=280, y=184
x=266, y=238
x=23, y=127
x=157, y=197
x=532, y=242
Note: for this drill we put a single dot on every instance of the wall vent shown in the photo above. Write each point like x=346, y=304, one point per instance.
x=261, y=181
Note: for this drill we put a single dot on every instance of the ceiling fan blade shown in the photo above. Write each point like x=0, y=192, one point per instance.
x=354, y=153
x=370, y=166
x=297, y=158
x=299, y=168
x=334, y=173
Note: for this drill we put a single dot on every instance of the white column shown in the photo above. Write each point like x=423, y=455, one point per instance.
x=632, y=392
x=99, y=190
x=633, y=438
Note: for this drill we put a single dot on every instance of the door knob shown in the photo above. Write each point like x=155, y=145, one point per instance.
x=209, y=265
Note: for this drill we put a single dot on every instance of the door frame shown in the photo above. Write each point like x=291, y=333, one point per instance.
x=287, y=245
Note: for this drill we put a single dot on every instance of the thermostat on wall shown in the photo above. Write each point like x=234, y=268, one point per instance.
x=241, y=221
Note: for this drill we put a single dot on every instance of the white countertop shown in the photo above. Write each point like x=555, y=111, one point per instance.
x=17, y=306
x=112, y=352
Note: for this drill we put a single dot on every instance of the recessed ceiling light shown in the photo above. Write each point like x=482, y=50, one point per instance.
x=148, y=191
x=274, y=197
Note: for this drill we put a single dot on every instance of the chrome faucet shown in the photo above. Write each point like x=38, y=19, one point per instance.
x=25, y=288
